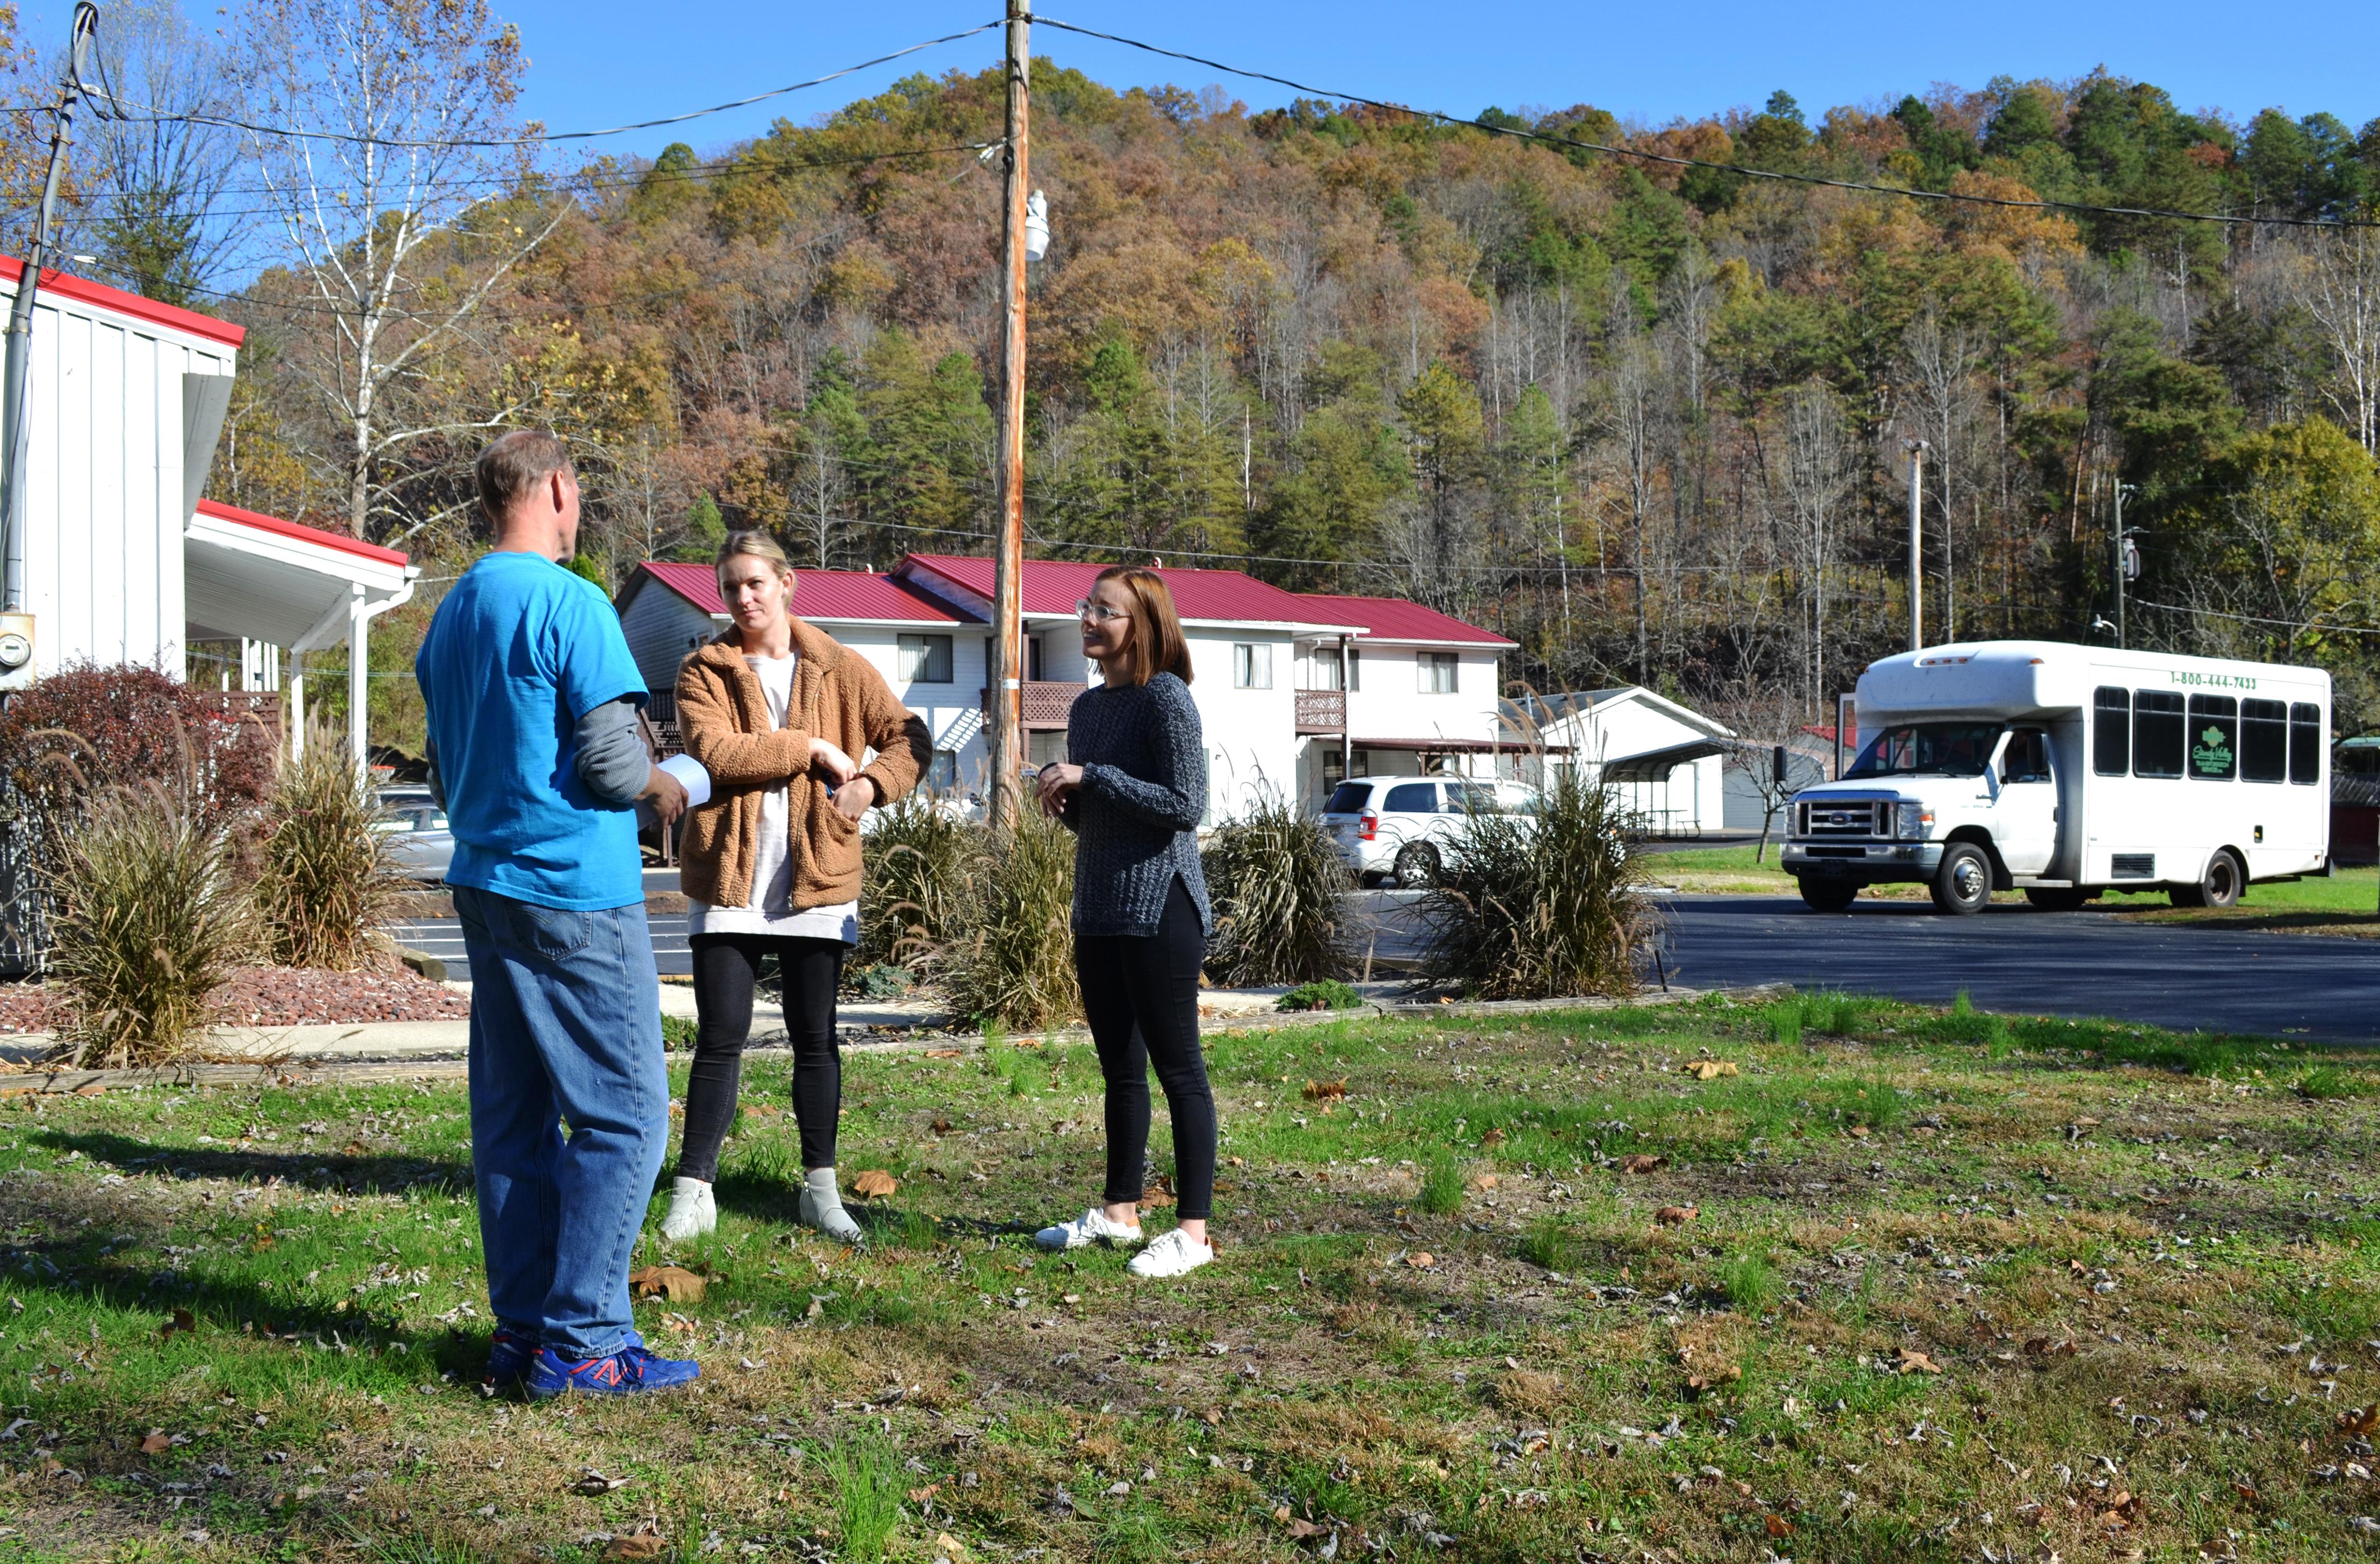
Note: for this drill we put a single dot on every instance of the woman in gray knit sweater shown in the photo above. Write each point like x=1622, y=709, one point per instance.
x=1134, y=788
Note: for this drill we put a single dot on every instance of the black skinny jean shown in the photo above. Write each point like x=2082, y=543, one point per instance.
x=1140, y=994
x=725, y=967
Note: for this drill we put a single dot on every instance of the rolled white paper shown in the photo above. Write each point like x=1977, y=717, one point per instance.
x=692, y=777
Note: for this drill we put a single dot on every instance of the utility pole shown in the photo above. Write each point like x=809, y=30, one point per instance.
x=13, y=406
x=1004, y=734
x=2121, y=558
x=1916, y=449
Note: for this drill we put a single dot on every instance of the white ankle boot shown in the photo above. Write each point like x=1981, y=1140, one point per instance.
x=822, y=1207
x=692, y=1212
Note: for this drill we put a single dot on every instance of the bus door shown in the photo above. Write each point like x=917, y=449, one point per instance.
x=2024, y=823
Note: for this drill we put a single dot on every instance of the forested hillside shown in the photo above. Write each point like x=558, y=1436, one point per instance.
x=1647, y=419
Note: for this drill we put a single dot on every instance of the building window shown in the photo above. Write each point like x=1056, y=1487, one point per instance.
x=1330, y=673
x=1437, y=673
x=1045, y=744
x=942, y=771
x=1251, y=665
x=925, y=660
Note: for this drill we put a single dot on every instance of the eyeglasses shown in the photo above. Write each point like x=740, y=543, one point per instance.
x=1090, y=612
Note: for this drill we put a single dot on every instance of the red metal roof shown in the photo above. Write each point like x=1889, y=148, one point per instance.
x=1393, y=619
x=1054, y=587
x=281, y=528
x=66, y=285
x=818, y=594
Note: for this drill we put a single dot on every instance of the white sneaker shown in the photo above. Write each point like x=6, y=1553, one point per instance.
x=1172, y=1254
x=692, y=1212
x=830, y=1220
x=1092, y=1227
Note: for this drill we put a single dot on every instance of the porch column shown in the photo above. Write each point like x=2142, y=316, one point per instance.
x=297, y=706
x=359, y=681
x=1346, y=708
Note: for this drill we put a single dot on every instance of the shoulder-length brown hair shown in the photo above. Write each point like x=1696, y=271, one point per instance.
x=1158, y=645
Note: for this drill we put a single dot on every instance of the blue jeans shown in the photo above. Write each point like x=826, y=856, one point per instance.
x=566, y=1027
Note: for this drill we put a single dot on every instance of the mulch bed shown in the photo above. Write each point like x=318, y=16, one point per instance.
x=278, y=996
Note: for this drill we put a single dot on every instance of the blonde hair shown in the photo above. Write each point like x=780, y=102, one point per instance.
x=1158, y=645
x=751, y=544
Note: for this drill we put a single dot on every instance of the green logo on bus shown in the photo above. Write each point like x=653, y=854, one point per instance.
x=2212, y=755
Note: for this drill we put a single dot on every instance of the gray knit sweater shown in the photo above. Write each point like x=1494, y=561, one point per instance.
x=1144, y=760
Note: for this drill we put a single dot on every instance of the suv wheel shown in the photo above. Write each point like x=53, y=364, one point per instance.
x=1963, y=884
x=1417, y=866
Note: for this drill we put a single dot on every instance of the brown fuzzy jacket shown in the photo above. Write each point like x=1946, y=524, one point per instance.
x=724, y=721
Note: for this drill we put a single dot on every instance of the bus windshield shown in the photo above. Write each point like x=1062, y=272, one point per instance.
x=1949, y=749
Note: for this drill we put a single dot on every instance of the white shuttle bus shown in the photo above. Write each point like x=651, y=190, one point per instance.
x=2067, y=770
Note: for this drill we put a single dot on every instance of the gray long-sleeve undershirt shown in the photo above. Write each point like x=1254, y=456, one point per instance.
x=611, y=760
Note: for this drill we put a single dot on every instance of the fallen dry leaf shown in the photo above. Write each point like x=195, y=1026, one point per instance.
x=874, y=1185
x=637, y=1545
x=1320, y=1091
x=2247, y=1491
x=1421, y=1260
x=1858, y=1131
x=1915, y=1362
x=1482, y=1183
x=1301, y=1527
x=2043, y=1347
x=2361, y=1421
x=949, y=1547
x=594, y=1482
x=91, y=1088
x=673, y=1282
x=156, y=1443
x=944, y=1053
x=1778, y=1526
x=1710, y=1377
x=1676, y=1215
x=1641, y=1162
x=1711, y=1069
x=1156, y=1195
x=182, y=1320
x=1492, y=1138
x=941, y=1126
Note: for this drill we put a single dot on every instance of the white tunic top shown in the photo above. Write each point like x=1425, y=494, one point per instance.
x=769, y=911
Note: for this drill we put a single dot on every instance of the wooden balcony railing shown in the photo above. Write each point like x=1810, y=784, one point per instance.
x=1321, y=712
x=1047, y=703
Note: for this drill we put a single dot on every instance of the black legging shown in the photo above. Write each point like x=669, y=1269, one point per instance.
x=725, y=964
x=1140, y=994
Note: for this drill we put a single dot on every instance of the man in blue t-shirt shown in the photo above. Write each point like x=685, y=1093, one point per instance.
x=535, y=752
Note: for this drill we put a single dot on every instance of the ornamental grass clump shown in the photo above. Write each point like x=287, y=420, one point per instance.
x=914, y=881
x=324, y=882
x=149, y=919
x=1010, y=956
x=1276, y=884
x=1544, y=904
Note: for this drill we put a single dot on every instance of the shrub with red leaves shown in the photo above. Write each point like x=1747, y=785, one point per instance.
x=86, y=728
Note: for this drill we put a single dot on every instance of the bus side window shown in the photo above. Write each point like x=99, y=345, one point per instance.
x=2111, y=730
x=2264, y=741
x=2214, y=737
x=2159, y=745
x=2305, y=742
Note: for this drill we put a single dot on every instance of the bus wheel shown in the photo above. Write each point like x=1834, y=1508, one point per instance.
x=2219, y=887
x=2057, y=898
x=1827, y=895
x=1963, y=884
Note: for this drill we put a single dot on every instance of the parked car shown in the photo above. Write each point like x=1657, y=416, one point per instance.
x=1399, y=829
x=419, y=845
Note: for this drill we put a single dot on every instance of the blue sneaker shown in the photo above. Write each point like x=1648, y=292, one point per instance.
x=630, y=1371
x=510, y=1353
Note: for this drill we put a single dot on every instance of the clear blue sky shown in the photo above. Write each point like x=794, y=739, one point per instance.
x=600, y=62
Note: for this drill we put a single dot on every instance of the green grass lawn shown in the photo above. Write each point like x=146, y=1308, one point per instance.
x=1908, y=1286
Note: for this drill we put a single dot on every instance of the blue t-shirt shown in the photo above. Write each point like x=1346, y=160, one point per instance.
x=519, y=652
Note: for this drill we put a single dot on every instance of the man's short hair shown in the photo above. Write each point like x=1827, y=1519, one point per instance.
x=514, y=465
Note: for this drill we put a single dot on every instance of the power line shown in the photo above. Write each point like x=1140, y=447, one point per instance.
x=158, y=117
x=2303, y=626
x=1519, y=134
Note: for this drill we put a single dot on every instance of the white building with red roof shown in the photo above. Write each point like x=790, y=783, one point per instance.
x=1270, y=667
x=121, y=560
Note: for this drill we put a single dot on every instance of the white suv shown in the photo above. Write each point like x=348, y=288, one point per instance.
x=1399, y=828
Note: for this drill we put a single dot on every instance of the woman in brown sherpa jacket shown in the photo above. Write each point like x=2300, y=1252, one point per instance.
x=782, y=717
